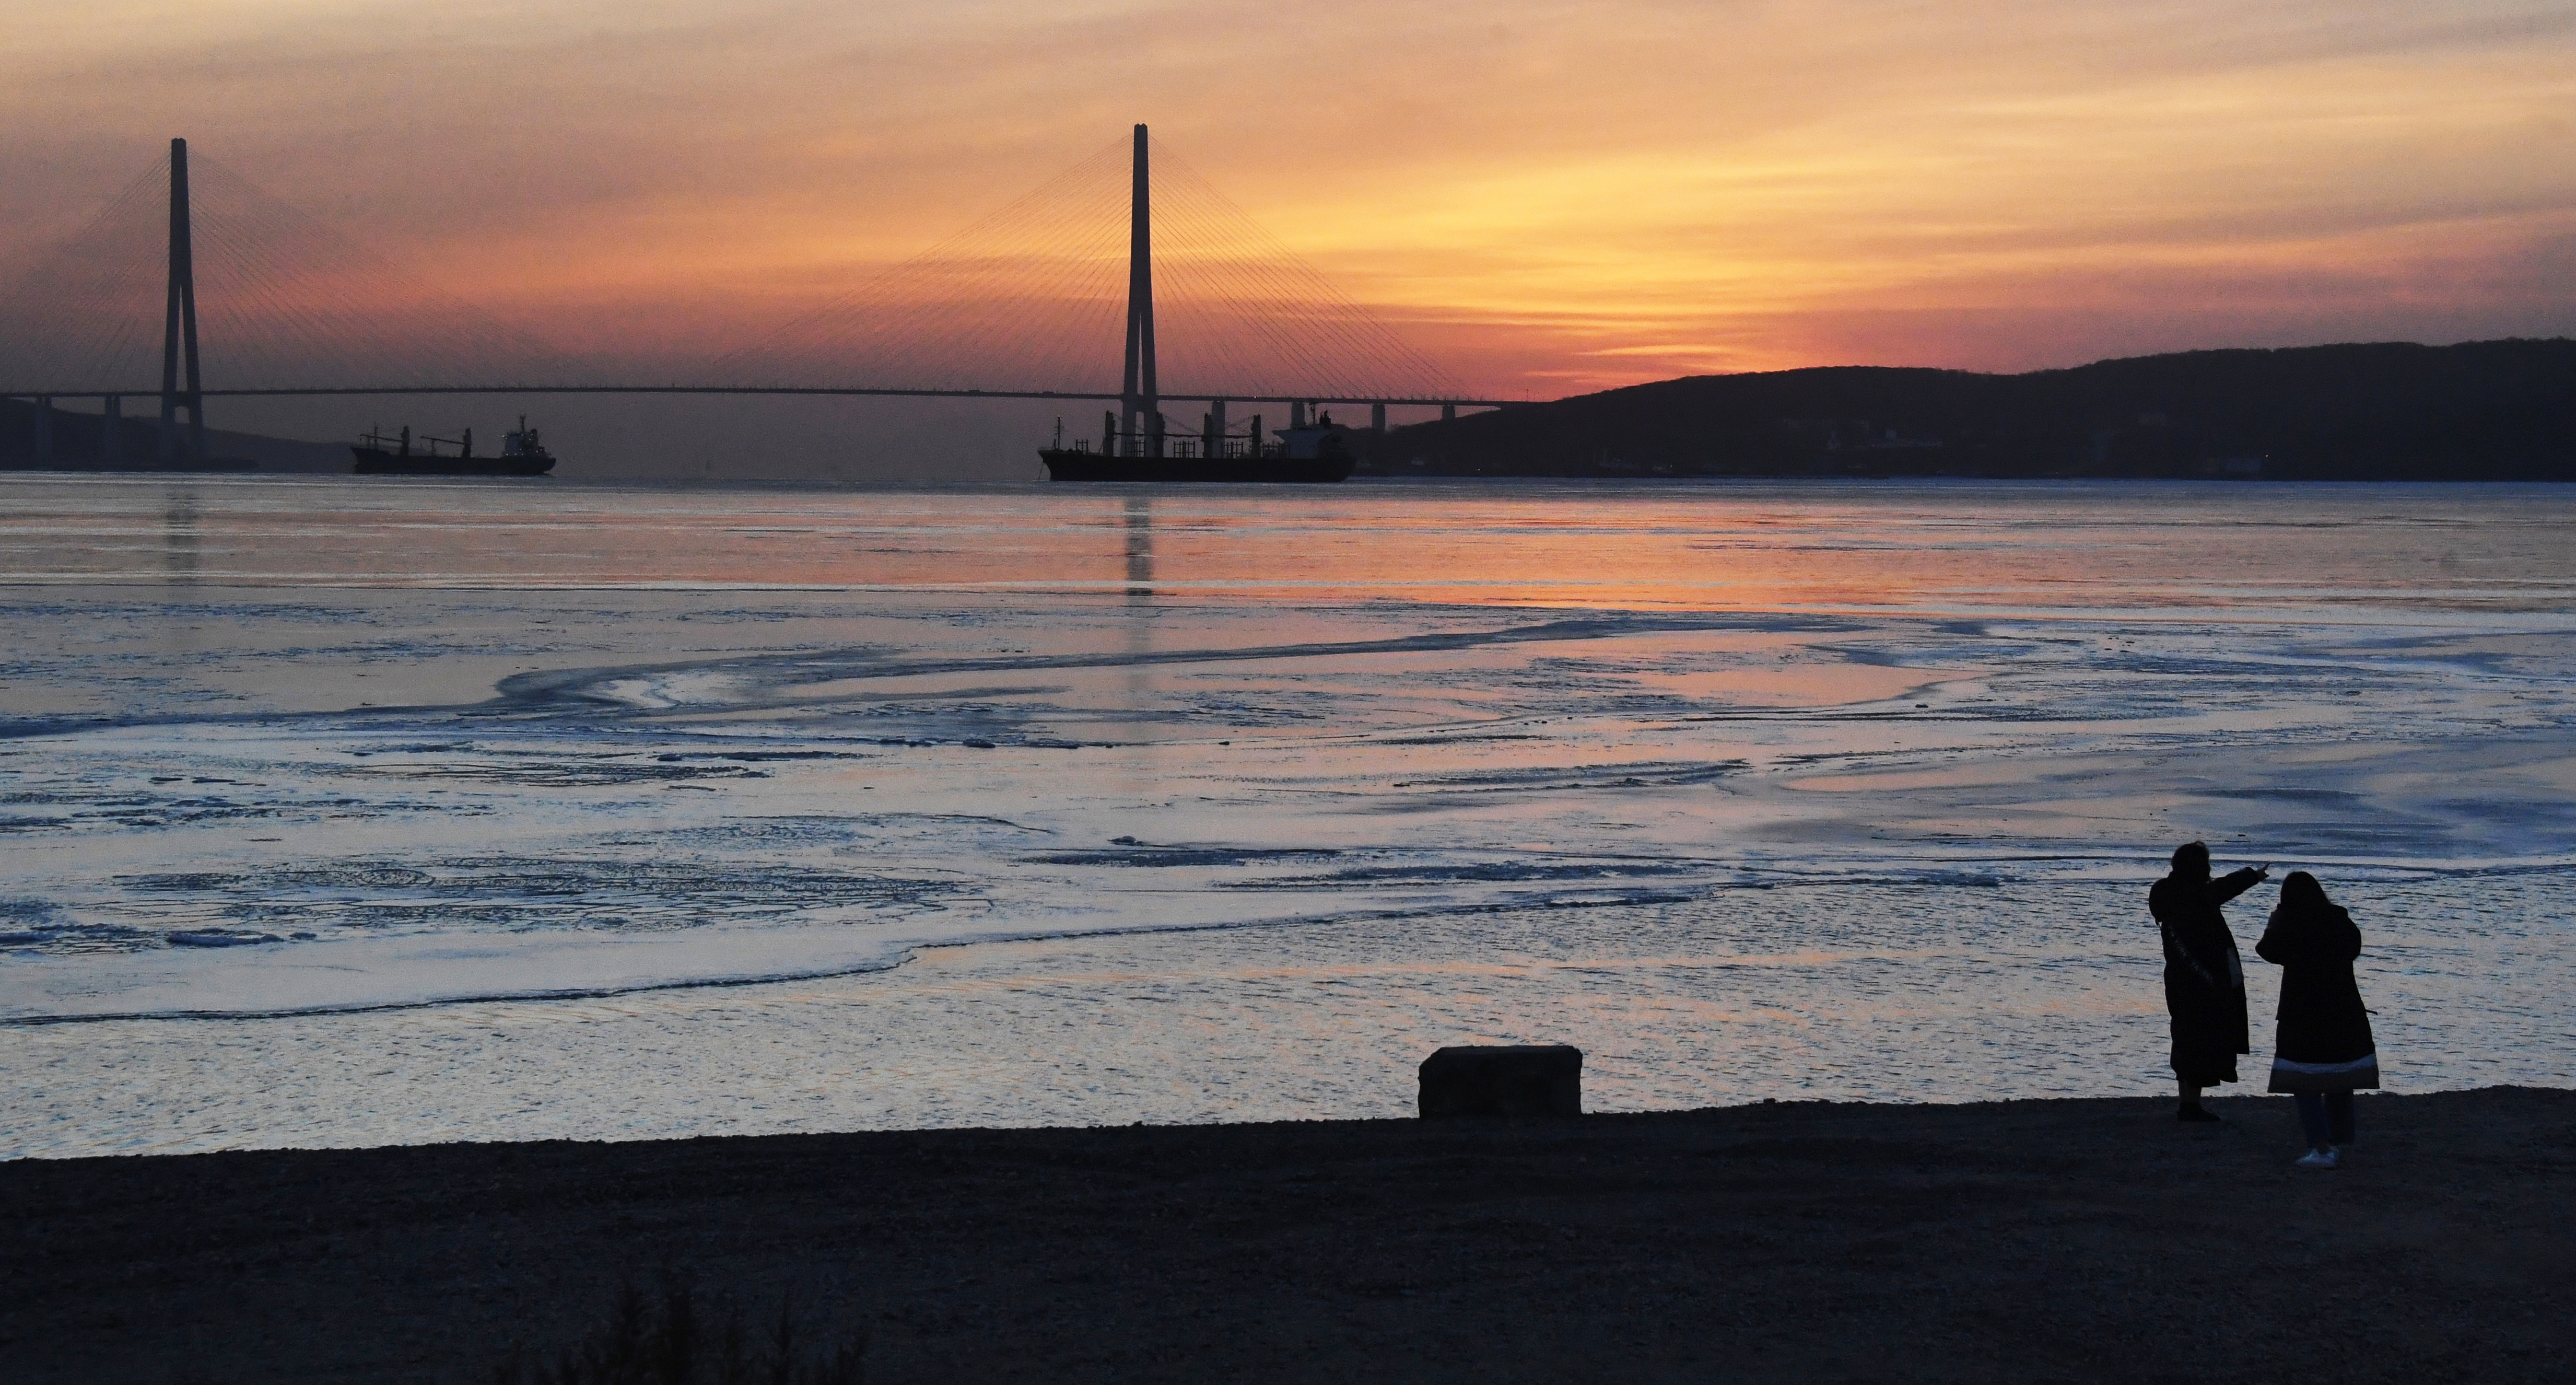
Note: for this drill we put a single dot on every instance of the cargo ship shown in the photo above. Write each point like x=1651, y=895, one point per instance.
x=522, y=454
x=1302, y=454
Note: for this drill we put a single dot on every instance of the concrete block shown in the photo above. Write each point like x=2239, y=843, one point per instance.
x=1503, y=1080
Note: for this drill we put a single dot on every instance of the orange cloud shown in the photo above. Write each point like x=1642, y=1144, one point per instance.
x=1547, y=196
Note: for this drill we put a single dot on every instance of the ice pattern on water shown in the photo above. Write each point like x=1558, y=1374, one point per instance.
x=520, y=894
x=608, y=806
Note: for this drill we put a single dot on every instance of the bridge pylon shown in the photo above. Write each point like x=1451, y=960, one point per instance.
x=1140, y=397
x=179, y=323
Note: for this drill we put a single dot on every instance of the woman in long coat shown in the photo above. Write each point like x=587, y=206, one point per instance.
x=2323, y=1049
x=2204, y=978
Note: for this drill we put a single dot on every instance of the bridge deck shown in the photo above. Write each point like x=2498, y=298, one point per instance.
x=851, y=391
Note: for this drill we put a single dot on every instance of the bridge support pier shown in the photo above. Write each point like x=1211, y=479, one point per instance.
x=1377, y=418
x=44, y=430
x=1448, y=412
x=111, y=427
x=1216, y=428
x=1296, y=413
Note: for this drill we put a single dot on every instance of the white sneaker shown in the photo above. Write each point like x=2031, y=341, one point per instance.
x=2317, y=1159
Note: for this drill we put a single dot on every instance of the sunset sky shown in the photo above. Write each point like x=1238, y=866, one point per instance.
x=1547, y=197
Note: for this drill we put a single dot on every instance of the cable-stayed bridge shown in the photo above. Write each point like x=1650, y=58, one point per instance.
x=193, y=284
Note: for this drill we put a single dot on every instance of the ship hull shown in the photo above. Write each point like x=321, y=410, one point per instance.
x=1066, y=465
x=377, y=462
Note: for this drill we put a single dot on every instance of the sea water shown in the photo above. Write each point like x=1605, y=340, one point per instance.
x=341, y=811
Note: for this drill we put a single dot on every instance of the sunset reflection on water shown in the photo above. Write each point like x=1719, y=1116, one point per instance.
x=1767, y=546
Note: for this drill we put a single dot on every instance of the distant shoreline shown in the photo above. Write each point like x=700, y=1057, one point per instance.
x=2369, y=411
x=2382, y=411
x=1360, y=481
x=2081, y=1238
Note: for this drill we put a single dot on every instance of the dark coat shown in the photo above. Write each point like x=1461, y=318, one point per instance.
x=2204, y=979
x=2322, y=1019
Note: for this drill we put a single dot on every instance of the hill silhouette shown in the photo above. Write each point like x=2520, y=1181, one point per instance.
x=2492, y=410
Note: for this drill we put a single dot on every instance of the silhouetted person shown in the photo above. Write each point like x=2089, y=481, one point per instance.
x=2322, y=1051
x=2204, y=980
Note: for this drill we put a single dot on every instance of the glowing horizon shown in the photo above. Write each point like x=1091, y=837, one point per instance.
x=1549, y=199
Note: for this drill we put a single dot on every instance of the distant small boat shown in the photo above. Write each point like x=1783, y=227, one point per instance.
x=522, y=454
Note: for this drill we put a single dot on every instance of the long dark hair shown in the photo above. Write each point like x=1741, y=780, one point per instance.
x=2301, y=894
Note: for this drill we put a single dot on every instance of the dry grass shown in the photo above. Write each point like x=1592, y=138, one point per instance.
x=664, y=1339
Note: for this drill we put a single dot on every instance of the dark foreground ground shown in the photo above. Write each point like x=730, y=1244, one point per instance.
x=2076, y=1240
